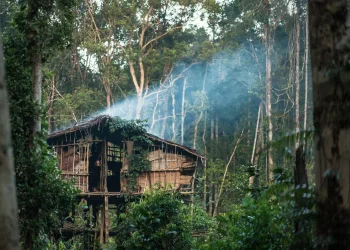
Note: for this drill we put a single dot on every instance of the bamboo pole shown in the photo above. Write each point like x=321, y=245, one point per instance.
x=226, y=168
x=74, y=156
x=252, y=178
x=106, y=217
x=102, y=225
x=87, y=166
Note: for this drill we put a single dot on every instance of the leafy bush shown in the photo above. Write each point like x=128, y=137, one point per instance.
x=159, y=221
x=267, y=220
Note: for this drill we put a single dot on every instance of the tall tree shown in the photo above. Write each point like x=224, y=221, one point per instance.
x=48, y=26
x=9, y=233
x=297, y=72
x=330, y=51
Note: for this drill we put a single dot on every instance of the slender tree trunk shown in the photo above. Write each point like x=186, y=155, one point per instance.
x=269, y=47
x=183, y=113
x=306, y=76
x=173, y=125
x=297, y=74
x=301, y=184
x=51, y=99
x=9, y=233
x=162, y=132
x=329, y=43
x=154, y=113
x=211, y=185
x=216, y=196
x=217, y=199
x=217, y=130
x=249, y=118
x=210, y=201
x=205, y=164
x=253, y=159
x=34, y=50
x=108, y=95
x=139, y=105
x=212, y=130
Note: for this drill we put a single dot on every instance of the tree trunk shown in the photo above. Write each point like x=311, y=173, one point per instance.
x=301, y=184
x=162, y=132
x=9, y=233
x=34, y=50
x=183, y=111
x=154, y=113
x=212, y=130
x=306, y=76
x=210, y=202
x=329, y=40
x=253, y=160
x=297, y=74
x=173, y=125
x=216, y=195
x=269, y=48
x=139, y=105
x=217, y=130
x=50, y=99
x=205, y=164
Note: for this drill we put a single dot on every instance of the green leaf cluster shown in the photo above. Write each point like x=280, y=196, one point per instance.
x=159, y=221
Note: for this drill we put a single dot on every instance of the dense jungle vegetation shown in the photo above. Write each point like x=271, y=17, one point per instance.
x=232, y=79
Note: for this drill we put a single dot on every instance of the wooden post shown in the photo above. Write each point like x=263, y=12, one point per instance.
x=106, y=218
x=87, y=167
x=192, y=191
x=102, y=224
x=96, y=227
x=74, y=155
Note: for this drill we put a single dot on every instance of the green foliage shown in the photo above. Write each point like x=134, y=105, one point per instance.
x=201, y=221
x=78, y=105
x=134, y=130
x=266, y=220
x=159, y=221
x=44, y=199
x=139, y=164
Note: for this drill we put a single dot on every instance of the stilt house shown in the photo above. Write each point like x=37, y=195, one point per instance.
x=97, y=155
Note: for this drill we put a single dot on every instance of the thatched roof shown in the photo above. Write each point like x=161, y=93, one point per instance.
x=98, y=122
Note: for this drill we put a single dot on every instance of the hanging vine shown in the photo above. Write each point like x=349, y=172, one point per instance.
x=133, y=130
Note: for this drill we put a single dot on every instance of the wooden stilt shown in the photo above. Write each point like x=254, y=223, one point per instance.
x=102, y=220
x=106, y=217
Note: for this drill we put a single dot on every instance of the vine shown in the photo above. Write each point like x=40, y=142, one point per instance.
x=133, y=130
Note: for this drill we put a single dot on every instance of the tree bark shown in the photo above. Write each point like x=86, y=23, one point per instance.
x=212, y=130
x=162, y=132
x=205, y=163
x=9, y=233
x=297, y=74
x=253, y=159
x=217, y=198
x=269, y=48
x=217, y=130
x=51, y=99
x=183, y=113
x=34, y=50
x=329, y=40
x=306, y=75
x=173, y=125
x=210, y=201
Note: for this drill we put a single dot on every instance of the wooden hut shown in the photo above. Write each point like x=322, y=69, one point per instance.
x=96, y=155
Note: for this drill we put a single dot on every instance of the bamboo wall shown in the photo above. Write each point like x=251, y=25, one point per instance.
x=74, y=163
x=167, y=170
